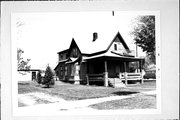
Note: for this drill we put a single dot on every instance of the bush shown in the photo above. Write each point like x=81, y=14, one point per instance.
x=48, y=77
x=149, y=75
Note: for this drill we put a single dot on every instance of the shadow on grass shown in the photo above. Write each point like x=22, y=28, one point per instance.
x=124, y=93
x=47, y=87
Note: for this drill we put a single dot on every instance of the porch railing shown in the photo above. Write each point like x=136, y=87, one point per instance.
x=122, y=76
x=94, y=77
x=130, y=76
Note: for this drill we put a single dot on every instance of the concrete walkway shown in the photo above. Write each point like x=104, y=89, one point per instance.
x=30, y=98
x=153, y=92
x=59, y=104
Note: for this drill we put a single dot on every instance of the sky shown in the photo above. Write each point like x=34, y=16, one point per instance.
x=42, y=35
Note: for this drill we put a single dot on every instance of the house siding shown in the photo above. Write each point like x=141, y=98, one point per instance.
x=62, y=56
x=83, y=71
x=60, y=71
x=75, y=53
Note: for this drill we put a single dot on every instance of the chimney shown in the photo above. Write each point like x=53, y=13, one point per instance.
x=95, y=36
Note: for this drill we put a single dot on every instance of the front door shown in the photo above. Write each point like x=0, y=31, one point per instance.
x=117, y=68
x=33, y=75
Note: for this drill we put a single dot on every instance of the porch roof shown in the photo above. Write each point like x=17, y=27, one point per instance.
x=113, y=56
x=71, y=60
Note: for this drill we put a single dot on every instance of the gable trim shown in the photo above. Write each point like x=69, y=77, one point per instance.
x=121, y=40
x=69, y=50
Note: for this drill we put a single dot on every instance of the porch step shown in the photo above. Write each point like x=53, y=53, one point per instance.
x=115, y=82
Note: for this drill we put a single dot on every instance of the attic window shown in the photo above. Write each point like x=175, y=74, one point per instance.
x=115, y=46
x=75, y=52
x=95, y=36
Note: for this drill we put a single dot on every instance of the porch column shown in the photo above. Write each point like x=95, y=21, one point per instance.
x=140, y=67
x=137, y=70
x=105, y=74
x=125, y=73
x=76, y=74
x=87, y=77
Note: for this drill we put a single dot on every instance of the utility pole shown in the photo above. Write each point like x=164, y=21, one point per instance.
x=137, y=56
x=136, y=50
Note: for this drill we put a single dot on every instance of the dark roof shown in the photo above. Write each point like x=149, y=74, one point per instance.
x=63, y=51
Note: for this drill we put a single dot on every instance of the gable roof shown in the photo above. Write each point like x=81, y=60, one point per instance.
x=73, y=44
x=85, y=44
x=101, y=45
x=121, y=40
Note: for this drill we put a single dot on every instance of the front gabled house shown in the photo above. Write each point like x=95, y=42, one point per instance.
x=104, y=58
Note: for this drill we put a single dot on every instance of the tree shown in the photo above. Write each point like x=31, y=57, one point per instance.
x=147, y=63
x=21, y=63
x=144, y=35
x=39, y=78
x=48, y=77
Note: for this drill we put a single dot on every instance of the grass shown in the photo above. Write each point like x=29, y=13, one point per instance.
x=69, y=91
x=138, y=102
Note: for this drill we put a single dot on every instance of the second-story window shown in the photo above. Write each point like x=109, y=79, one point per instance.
x=61, y=70
x=60, y=56
x=75, y=52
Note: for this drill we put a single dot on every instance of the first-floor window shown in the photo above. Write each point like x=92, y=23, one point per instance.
x=61, y=71
x=72, y=70
x=65, y=70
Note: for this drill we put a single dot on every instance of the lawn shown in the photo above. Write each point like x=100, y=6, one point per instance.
x=140, y=101
x=69, y=91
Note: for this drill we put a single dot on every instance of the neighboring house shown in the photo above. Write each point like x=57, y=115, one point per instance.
x=104, y=58
x=27, y=75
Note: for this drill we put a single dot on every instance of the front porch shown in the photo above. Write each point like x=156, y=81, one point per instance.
x=113, y=71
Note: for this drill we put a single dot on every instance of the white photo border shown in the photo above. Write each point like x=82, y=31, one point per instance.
x=168, y=19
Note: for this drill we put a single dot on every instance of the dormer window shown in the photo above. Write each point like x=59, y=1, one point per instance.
x=75, y=52
x=115, y=46
x=60, y=56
